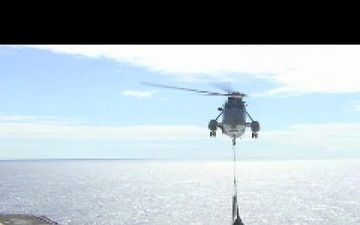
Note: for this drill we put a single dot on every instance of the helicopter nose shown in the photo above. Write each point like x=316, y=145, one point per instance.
x=234, y=117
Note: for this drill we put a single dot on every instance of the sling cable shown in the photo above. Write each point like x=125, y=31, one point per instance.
x=236, y=220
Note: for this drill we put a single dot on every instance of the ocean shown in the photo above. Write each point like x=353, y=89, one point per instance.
x=183, y=192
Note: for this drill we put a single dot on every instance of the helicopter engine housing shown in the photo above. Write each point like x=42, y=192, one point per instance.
x=255, y=126
x=213, y=125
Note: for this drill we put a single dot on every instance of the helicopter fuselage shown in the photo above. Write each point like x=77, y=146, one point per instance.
x=234, y=117
x=234, y=122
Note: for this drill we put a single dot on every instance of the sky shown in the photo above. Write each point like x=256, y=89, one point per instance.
x=88, y=101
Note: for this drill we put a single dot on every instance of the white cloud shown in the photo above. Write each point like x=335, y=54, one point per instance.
x=332, y=136
x=295, y=68
x=356, y=108
x=29, y=128
x=26, y=119
x=138, y=94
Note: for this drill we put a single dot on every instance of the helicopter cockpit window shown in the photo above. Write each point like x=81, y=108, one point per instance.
x=230, y=106
x=227, y=105
x=233, y=105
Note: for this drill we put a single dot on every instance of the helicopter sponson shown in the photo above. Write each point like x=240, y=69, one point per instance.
x=255, y=126
x=213, y=124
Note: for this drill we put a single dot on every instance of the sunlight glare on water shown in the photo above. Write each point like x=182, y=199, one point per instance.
x=183, y=192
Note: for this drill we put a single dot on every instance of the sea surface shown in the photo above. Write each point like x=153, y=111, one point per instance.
x=159, y=192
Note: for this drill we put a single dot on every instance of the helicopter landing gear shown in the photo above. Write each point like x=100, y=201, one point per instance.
x=254, y=135
x=212, y=133
x=234, y=141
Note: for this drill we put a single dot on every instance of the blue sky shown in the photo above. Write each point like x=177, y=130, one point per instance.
x=87, y=101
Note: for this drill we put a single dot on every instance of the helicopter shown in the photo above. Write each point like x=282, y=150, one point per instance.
x=233, y=113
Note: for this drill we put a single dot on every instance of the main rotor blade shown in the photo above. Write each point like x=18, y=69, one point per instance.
x=211, y=93
x=186, y=89
x=224, y=86
x=227, y=87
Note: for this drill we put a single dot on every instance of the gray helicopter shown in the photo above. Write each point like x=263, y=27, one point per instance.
x=233, y=114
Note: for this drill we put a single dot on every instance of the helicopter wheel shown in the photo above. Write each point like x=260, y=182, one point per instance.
x=252, y=135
